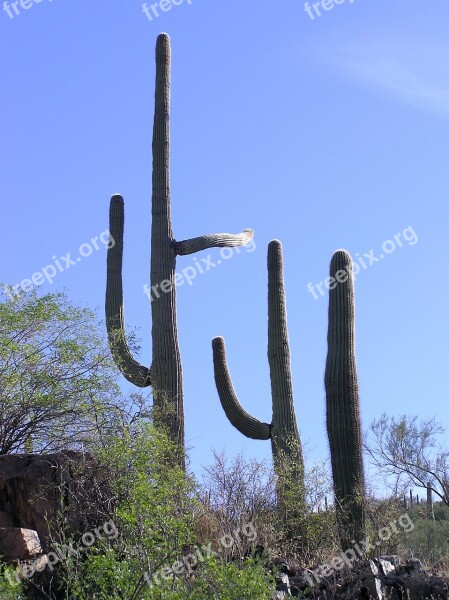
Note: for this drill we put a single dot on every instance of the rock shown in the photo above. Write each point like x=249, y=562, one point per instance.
x=301, y=582
x=412, y=566
x=387, y=563
x=381, y=578
x=283, y=584
x=17, y=543
x=374, y=585
x=36, y=565
x=6, y=520
x=283, y=566
x=34, y=488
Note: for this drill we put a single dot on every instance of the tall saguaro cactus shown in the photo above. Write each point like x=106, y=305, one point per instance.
x=165, y=373
x=283, y=430
x=342, y=403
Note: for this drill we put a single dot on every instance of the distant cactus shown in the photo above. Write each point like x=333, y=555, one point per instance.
x=430, y=513
x=283, y=430
x=165, y=373
x=342, y=403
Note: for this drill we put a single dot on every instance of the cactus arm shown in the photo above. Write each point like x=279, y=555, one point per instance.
x=213, y=240
x=235, y=412
x=115, y=318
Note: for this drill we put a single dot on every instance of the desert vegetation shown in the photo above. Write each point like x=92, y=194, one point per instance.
x=225, y=534
x=126, y=516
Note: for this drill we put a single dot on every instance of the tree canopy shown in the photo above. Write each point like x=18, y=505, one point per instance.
x=58, y=384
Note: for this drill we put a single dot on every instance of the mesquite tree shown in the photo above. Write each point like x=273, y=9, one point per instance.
x=165, y=373
x=342, y=403
x=283, y=430
x=58, y=386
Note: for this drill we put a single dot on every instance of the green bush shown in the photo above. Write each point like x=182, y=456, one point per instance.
x=10, y=585
x=428, y=541
x=156, y=510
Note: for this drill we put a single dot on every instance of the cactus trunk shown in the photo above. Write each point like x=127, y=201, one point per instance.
x=283, y=430
x=342, y=403
x=165, y=373
x=166, y=367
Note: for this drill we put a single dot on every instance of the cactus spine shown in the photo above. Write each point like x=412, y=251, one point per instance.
x=165, y=373
x=342, y=403
x=283, y=430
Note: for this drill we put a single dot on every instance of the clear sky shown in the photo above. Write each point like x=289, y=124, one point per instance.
x=323, y=132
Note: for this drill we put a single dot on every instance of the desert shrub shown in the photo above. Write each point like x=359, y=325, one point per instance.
x=305, y=534
x=11, y=587
x=237, y=493
x=429, y=539
x=156, y=517
x=245, y=490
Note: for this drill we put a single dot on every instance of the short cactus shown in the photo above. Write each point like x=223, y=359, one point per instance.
x=342, y=403
x=283, y=430
x=165, y=374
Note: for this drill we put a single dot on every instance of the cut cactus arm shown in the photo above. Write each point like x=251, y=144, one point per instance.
x=213, y=240
x=237, y=415
x=115, y=318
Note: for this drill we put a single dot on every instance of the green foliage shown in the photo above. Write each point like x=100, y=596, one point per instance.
x=429, y=539
x=157, y=504
x=58, y=382
x=304, y=533
x=106, y=578
x=10, y=585
x=156, y=509
x=103, y=576
x=440, y=511
x=406, y=452
x=215, y=580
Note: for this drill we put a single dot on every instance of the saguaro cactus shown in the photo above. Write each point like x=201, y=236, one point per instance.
x=165, y=373
x=342, y=403
x=430, y=514
x=283, y=430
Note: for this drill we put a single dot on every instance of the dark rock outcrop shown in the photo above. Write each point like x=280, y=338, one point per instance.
x=52, y=492
x=381, y=578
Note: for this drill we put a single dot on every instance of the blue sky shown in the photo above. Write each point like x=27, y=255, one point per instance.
x=323, y=133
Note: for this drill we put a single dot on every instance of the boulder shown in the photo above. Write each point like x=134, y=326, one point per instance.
x=17, y=543
x=43, y=492
x=283, y=584
x=381, y=578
